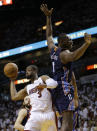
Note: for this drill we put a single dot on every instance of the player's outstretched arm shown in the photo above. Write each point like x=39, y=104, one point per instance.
x=17, y=95
x=49, y=32
x=18, y=124
x=49, y=82
x=67, y=56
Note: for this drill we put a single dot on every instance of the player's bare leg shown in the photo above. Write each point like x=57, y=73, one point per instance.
x=67, y=122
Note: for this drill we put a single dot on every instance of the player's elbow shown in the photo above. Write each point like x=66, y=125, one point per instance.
x=15, y=126
x=72, y=57
x=75, y=56
x=13, y=98
x=19, y=127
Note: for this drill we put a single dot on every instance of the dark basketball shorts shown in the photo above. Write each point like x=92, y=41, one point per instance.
x=64, y=102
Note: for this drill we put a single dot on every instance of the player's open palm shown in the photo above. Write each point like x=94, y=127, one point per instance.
x=88, y=38
x=45, y=9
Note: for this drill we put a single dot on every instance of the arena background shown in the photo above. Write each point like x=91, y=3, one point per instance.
x=21, y=23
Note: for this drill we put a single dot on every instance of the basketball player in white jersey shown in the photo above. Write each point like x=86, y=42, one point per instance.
x=40, y=100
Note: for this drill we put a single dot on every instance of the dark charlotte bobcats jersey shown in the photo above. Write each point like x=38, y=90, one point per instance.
x=64, y=93
x=57, y=65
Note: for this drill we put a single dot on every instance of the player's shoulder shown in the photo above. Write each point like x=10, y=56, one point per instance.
x=64, y=52
x=44, y=77
x=54, y=49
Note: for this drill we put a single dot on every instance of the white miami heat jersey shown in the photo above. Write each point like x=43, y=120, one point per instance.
x=39, y=102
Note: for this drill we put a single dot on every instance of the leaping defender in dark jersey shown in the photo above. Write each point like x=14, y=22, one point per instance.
x=65, y=94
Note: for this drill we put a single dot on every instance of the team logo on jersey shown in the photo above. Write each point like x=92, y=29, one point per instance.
x=54, y=57
x=35, y=90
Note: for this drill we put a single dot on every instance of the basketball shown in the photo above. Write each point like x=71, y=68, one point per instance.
x=11, y=70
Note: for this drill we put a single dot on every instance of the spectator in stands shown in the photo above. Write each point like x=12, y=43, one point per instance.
x=23, y=115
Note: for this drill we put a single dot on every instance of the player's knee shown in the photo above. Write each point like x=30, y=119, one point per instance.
x=66, y=128
x=16, y=126
x=67, y=125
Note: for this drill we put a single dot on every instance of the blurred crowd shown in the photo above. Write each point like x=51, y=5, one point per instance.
x=8, y=112
x=88, y=108
x=17, y=27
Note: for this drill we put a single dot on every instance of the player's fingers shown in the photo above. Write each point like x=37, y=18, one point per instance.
x=42, y=6
x=45, y=5
x=86, y=34
x=51, y=10
x=42, y=9
x=94, y=39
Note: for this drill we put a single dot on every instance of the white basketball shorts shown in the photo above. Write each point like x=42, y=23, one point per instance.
x=37, y=119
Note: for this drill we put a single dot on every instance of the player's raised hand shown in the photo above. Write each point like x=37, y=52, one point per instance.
x=87, y=38
x=45, y=9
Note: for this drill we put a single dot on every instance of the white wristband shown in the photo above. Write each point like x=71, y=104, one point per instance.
x=51, y=83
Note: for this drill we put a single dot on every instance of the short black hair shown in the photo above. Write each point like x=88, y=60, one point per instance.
x=64, y=38
x=34, y=67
